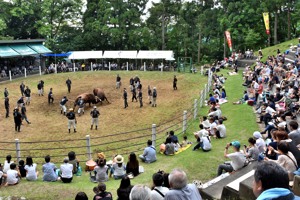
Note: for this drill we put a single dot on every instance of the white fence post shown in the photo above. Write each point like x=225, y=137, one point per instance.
x=9, y=72
x=201, y=99
x=40, y=70
x=88, y=147
x=153, y=134
x=25, y=72
x=195, y=108
x=18, y=150
x=91, y=66
x=201, y=70
x=144, y=66
x=184, y=126
x=127, y=65
x=74, y=69
x=55, y=68
x=205, y=91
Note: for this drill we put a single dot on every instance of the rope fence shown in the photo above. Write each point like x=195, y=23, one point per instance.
x=135, y=140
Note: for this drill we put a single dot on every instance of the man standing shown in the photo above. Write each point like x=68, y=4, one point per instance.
x=80, y=105
x=17, y=119
x=23, y=113
x=140, y=95
x=6, y=105
x=133, y=94
x=118, y=82
x=6, y=92
x=237, y=158
x=149, y=94
x=95, y=115
x=180, y=189
x=149, y=154
x=154, y=95
x=69, y=83
x=63, y=108
x=71, y=120
x=39, y=87
x=125, y=98
x=22, y=88
x=27, y=94
x=175, y=83
x=42, y=84
x=50, y=96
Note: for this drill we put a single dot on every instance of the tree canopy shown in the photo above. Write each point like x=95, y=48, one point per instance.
x=192, y=28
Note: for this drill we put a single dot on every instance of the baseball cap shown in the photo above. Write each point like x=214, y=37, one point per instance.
x=236, y=144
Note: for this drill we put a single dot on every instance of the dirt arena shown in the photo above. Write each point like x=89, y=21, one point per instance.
x=48, y=124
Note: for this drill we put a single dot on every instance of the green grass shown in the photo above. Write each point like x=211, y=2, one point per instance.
x=198, y=165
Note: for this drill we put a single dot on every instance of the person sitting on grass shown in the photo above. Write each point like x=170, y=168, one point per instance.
x=101, y=170
x=66, y=170
x=204, y=142
x=31, y=172
x=12, y=176
x=49, y=170
x=132, y=165
x=81, y=196
x=118, y=169
x=185, y=142
x=124, y=189
x=102, y=193
x=22, y=168
x=73, y=160
x=149, y=154
x=170, y=147
x=238, y=159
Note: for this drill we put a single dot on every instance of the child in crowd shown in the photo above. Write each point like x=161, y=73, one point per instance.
x=22, y=168
x=185, y=142
x=13, y=176
x=118, y=168
x=7, y=163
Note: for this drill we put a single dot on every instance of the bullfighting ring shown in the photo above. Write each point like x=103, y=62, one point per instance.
x=48, y=131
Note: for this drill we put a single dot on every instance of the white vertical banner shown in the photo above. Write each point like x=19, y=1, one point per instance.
x=9, y=72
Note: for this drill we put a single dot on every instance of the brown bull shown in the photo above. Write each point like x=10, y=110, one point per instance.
x=100, y=94
x=87, y=98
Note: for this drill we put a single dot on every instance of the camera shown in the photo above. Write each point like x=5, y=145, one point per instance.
x=230, y=144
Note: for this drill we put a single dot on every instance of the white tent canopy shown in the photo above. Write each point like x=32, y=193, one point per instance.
x=155, y=55
x=78, y=55
x=120, y=54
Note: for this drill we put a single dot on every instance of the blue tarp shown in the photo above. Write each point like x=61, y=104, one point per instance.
x=57, y=54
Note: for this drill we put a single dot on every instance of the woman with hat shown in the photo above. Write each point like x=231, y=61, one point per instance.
x=118, y=168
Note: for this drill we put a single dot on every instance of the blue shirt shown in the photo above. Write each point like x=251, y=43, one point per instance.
x=150, y=154
x=49, y=172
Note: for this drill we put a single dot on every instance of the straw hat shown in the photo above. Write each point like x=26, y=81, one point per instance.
x=119, y=159
x=101, y=155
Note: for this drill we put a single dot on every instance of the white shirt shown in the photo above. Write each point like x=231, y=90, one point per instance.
x=212, y=128
x=237, y=160
x=201, y=132
x=31, y=172
x=156, y=196
x=6, y=166
x=12, y=177
x=222, y=129
x=206, y=143
x=66, y=170
x=260, y=144
x=270, y=110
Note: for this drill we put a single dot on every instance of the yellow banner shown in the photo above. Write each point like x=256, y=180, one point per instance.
x=267, y=22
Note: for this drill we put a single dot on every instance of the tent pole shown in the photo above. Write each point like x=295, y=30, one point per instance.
x=9, y=75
